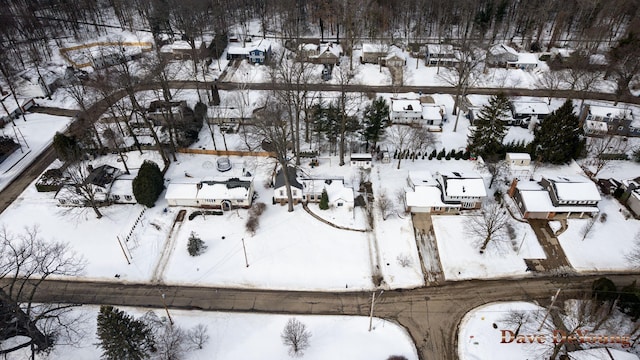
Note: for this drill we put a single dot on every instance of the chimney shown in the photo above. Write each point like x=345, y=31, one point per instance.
x=512, y=188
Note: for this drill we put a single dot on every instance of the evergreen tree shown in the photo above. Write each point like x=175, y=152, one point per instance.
x=559, y=138
x=324, y=200
x=376, y=119
x=67, y=147
x=195, y=246
x=148, y=184
x=122, y=337
x=486, y=139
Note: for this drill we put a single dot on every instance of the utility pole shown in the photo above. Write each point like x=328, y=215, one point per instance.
x=553, y=301
x=164, y=303
x=244, y=249
x=373, y=301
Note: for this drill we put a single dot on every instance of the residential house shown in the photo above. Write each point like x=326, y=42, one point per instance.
x=425, y=195
x=181, y=50
x=158, y=111
x=619, y=121
x=338, y=194
x=100, y=179
x=220, y=193
x=554, y=197
x=519, y=165
x=500, y=55
x=307, y=51
x=633, y=201
x=394, y=60
x=506, y=56
x=122, y=190
x=328, y=54
x=433, y=114
x=280, y=189
x=373, y=53
x=257, y=52
x=440, y=55
x=609, y=186
x=227, y=117
x=526, y=112
x=467, y=190
x=405, y=111
x=424, y=111
x=363, y=161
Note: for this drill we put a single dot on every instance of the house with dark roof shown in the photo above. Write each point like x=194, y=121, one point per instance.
x=280, y=189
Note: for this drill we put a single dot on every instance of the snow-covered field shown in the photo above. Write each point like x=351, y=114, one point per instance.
x=257, y=336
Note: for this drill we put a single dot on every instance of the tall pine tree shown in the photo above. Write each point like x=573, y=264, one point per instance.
x=558, y=139
x=376, y=119
x=486, y=139
x=122, y=337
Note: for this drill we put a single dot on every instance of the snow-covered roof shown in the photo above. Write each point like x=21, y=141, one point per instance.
x=518, y=156
x=598, y=59
x=422, y=178
x=527, y=58
x=221, y=191
x=308, y=47
x=575, y=188
x=330, y=48
x=596, y=126
x=440, y=48
x=374, y=48
x=176, y=45
x=500, y=49
x=458, y=184
x=432, y=111
x=216, y=112
x=610, y=111
x=406, y=105
x=238, y=49
x=426, y=196
x=361, y=156
x=181, y=191
x=122, y=185
x=540, y=201
x=531, y=107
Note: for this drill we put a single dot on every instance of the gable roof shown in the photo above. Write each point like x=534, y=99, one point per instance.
x=530, y=107
x=459, y=184
x=293, y=178
x=575, y=189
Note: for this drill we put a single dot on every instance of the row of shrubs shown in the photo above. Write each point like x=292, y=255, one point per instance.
x=205, y=212
x=254, y=214
x=415, y=155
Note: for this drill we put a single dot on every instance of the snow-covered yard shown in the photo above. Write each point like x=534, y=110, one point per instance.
x=257, y=336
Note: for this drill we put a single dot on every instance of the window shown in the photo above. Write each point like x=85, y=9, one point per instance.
x=116, y=197
x=340, y=204
x=294, y=193
x=62, y=201
x=620, y=128
x=437, y=208
x=281, y=192
x=126, y=197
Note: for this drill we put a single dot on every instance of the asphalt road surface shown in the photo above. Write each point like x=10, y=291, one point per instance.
x=430, y=314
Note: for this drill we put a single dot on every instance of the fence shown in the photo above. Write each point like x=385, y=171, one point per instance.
x=223, y=152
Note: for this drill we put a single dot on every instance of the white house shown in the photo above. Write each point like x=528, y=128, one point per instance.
x=223, y=193
x=519, y=165
x=280, y=189
x=425, y=195
x=405, y=111
x=361, y=160
x=526, y=112
x=440, y=55
x=338, y=194
x=468, y=190
x=122, y=190
x=433, y=114
x=556, y=197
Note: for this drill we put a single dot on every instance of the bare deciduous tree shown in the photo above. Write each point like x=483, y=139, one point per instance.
x=26, y=260
x=82, y=188
x=384, y=204
x=296, y=336
x=602, y=150
x=490, y=225
x=198, y=336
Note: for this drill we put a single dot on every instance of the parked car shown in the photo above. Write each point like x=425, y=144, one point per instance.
x=223, y=164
